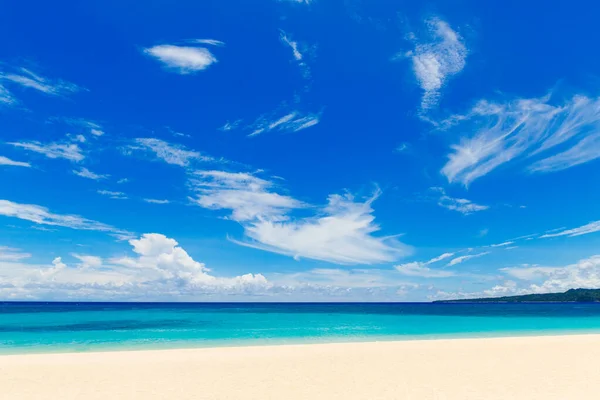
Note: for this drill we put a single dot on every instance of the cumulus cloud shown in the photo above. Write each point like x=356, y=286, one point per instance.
x=12, y=163
x=160, y=269
x=435, y=59
x=28, y=79
x=41, y=215
x=463, y=206
x=170, y=153
x=538, y=279
x=86, y=173
x=549, y=137
x=340, y=232
x=182, y=59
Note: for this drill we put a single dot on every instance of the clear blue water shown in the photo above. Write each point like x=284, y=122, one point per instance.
x=60, y=327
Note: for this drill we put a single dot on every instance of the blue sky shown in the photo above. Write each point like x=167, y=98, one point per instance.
x=300, y=150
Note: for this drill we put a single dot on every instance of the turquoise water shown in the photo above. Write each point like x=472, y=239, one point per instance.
x=59, y=327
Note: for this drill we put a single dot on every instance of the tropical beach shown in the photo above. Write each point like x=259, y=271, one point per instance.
x=551, y=367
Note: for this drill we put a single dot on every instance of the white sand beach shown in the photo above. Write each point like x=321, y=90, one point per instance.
x=557, y=367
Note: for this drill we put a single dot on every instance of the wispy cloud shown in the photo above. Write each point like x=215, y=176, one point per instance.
x=461, y=259
x=86, y=173
x=435, y=58
x=94, y=128
x=8, y=161
x=292, y=121
x=6, y=97
x=340, y=232
x=230, y=125
x=28, y=79
x=41, y=215
x=503, y=244
x=582, y=230
x=68, y=151
x=463, y=206
x=113, y=195
x=170, y=153
x=524, y=129
x=183, y=59
x=11, y=254
x=211, y=42
x=248, y=197
x=421, y=270
x=156, y=201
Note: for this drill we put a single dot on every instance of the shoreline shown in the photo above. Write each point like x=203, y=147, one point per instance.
x=252, y=343
x=533, y=367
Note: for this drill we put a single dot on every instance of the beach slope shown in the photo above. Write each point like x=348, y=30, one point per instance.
x=556, y=367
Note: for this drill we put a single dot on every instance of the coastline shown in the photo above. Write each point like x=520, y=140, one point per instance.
x=524, y=367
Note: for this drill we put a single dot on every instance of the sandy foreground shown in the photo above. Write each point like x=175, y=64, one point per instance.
x=557, y=367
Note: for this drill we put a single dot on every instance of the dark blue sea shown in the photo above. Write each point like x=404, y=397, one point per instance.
x=68, y=327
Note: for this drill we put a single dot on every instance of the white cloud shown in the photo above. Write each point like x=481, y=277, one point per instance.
x=440, y=258
x=113, y=195
x=123, y=180
x=211, y=42
x=8, y=161
x=182, y=59
x=10, y=254
x=537, y=279
x=94, y=128
x=502, y=244
x=247, y=196
x=230, y=125
x=6, y=98
x=463, y=206
x=582, y=230
x=156, y=201
x=461, y=259
x=292, y=121
x=525, y=129
x=26, y=78
x=41, y=215
x=68, y=151
x=340, y=232
x=86, y=173
x=435, y=60
x=159, y=269
x=421, y=270
x=417, y=268
x=293, y=45
x=88, y=261
x=170, y=153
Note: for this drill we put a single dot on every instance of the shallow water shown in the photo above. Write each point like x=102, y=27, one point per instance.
x=59, y=327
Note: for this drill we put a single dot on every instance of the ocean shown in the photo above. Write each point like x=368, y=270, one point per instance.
x=76, y=327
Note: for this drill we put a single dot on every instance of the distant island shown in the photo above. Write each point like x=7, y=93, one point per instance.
x=570, y=296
